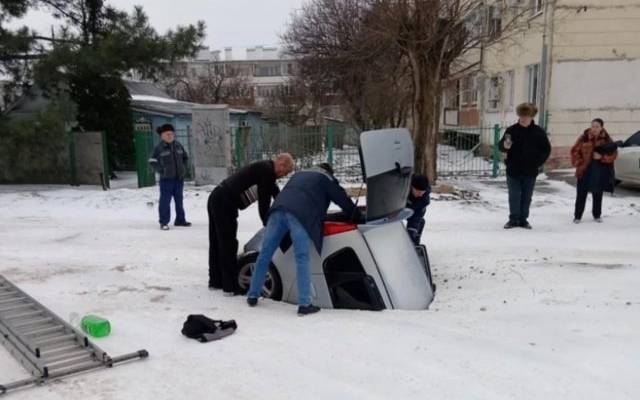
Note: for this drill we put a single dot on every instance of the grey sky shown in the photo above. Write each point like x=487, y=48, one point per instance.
x=236, y=23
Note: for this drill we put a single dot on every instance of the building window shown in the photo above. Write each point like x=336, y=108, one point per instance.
x=452, y=96
x=267, y=91
x=469, y=91
x=509, y=88
x=539, y=6
x=495, y=22
x=290, y=69
x=268, y=70
x=533, y=83
x=493, y=93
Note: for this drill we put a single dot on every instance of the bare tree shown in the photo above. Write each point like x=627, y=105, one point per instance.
x=413, y=45
x=217, y=83
x=338, y=59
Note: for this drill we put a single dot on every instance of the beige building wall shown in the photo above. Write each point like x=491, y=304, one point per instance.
x=595, y=69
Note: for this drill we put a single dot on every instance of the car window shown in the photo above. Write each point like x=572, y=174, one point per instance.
x=634, y=140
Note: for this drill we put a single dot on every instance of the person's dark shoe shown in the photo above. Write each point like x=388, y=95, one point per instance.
x=306, y=310
x=511, y=225
x=252, y=301
x=525, y=224
x=182, y=223
x=164, y=227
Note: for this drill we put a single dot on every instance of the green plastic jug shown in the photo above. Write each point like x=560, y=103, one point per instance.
x=95, y=326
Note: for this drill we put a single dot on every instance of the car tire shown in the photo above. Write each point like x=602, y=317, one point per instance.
x=272, y=288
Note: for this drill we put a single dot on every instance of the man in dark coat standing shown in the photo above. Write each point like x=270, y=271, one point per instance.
x=300, y=209
x=256, y=181
x=527, y=148
x=170, y=160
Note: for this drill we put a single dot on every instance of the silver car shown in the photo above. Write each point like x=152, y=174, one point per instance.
x=627, y=164
x=369, y=265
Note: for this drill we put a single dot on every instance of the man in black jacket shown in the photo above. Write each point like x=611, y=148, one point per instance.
x=300, y=210
x=527, y=148
x=256, y=181
x=170, y=160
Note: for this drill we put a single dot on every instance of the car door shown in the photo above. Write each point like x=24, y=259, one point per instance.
x=628, y=162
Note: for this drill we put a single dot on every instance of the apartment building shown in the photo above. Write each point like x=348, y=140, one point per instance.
x=576, y=59
x=263, y=69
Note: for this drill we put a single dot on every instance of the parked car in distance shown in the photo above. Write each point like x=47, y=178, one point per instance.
x=627, y=164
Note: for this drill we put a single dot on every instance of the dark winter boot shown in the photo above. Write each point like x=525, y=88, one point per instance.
x=525, y=224
x=511, y=225
x=306, y=310
x=182, y=223
x=252, y=301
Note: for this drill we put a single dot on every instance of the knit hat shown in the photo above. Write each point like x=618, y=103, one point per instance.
x=164, y=128
x=420, y=182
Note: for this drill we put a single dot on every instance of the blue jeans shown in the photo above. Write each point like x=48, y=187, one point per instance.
x=171, y=187
x=280, y=222
x=520, y=193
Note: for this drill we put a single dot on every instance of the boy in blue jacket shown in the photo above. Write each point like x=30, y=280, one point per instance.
x=419, y=199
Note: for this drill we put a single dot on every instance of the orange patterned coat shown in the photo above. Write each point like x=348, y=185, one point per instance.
x=582, y=151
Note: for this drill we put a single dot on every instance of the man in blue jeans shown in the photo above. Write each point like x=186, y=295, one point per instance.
x=169, y=160
x=300, y=209
x=527, y=148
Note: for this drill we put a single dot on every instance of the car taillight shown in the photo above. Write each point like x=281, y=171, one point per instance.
x=333, y=228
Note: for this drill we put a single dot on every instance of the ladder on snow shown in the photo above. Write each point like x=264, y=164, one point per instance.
x=47, y=346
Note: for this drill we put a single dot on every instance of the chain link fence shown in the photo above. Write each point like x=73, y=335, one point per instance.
x=309, y=145
x=470, y=152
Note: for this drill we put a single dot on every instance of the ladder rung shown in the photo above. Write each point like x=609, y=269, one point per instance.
x=58, y=350
x=8, y=293
x=12, y=300
x=63, y=355
x=40, y=331
x=76, y=368
x=19, y=307
x=23, y=315
x=71, y=362
x=31, y=322
x=54, y=339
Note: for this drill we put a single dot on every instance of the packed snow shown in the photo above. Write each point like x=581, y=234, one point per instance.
x=552, y=313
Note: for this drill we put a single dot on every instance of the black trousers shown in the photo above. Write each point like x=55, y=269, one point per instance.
x=223, y=242
x=581, y=200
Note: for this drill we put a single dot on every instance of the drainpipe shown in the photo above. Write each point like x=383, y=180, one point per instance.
x=545, y=62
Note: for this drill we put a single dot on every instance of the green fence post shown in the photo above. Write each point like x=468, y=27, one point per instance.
x=73, y=172
x=239, y=150
x=143, y=141
x=330, y=143
x=496, y=150
x=106, y=171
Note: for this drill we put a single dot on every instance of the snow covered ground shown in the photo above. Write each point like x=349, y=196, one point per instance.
x=552, y=313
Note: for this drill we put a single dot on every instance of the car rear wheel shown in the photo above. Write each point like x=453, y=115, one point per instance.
x=272, y=287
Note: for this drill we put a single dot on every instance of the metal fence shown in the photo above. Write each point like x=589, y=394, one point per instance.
x=470, y=152
x=309, y=145
x=461, y=151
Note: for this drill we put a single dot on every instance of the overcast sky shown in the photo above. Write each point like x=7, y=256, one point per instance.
x=236, y=23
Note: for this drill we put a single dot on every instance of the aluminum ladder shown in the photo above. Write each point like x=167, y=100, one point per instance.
x=46, y=346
